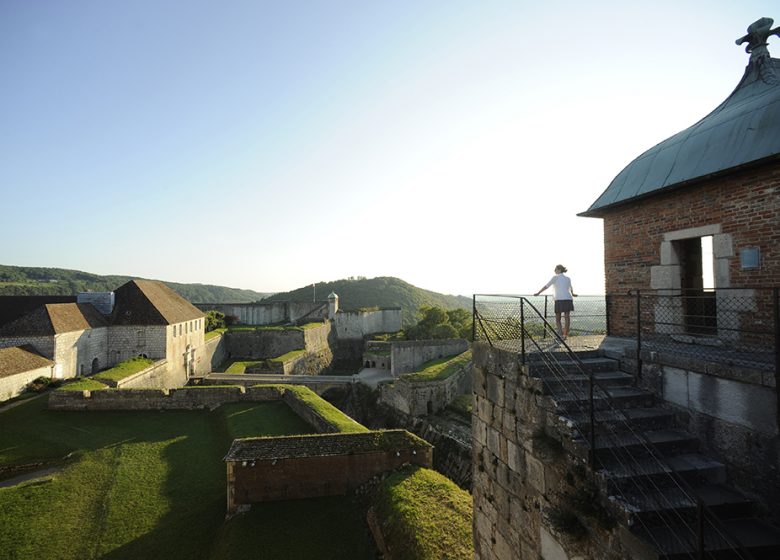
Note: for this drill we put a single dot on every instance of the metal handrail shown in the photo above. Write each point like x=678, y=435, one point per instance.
x=703, y=511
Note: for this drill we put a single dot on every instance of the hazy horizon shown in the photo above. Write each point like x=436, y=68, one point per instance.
x=268, y=146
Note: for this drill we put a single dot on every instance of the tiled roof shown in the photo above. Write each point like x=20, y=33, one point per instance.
x=317, y=445
x=13, y=307
x=148, y=302
x=55, y=318
x=18, y=359
x=743, y=130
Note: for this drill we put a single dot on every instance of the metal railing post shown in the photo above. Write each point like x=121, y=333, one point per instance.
x=776, y=325
x=522, y=331
x=699, y=529
x=545, y=317
x=606, y=313
x=473, y=317
x=638, y=334
x=592, y=454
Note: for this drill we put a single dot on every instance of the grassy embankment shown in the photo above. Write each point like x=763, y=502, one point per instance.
x=442, y=368
x=152, y=485
x=425, y=516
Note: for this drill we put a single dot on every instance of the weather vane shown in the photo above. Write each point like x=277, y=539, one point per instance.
x=757, y=35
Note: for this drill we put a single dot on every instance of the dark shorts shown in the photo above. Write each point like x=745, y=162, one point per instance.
x=564, y=305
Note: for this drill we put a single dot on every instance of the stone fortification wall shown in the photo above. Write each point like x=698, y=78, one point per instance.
x=521, y=471
x=417, y=398
x=407, y=357
x=214, y=354
x=357, y=324
x=270, y=313
x=321, y=474
x=186, y=398
x=264, y=344
x=157, y=376
x=14, y=385
x=317, y=338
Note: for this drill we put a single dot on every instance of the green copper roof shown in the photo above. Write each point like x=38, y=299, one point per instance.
x=744, y=129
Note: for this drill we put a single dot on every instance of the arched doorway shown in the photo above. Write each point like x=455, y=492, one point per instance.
x=95, y=366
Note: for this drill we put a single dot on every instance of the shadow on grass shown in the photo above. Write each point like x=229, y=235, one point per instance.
x=152, y=484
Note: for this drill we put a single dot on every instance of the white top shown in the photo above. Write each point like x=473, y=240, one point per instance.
x=561, y=286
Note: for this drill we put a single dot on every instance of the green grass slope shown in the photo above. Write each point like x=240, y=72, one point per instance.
x=25, y=280
x=152, y=485
x=383, y=291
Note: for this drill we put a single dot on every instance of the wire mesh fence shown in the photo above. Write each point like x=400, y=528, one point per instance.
x=736, y=327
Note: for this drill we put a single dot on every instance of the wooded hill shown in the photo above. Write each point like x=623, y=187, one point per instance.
x=384, y=291
x=28, y=281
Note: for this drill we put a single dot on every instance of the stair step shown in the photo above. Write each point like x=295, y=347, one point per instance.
x=617, y=397
x=614, y=421
x=637, y=475
x=556, y=352
x=665, y=442
x=553, y=385
x=663, y=504
x=538, y=368
x=676, y=543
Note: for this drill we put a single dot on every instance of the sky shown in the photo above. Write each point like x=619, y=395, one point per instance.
x=271, y=145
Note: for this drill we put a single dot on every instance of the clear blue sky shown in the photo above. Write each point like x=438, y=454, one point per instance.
x=269, y=145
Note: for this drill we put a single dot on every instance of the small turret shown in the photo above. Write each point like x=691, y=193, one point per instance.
x=333, y=305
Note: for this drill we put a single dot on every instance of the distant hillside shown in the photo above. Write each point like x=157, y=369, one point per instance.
x=384, y=291
x=23, y=281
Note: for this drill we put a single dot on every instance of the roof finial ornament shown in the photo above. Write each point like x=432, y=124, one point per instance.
x=757, y=35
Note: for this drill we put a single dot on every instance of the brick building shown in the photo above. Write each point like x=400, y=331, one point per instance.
x=700, y=212
x=142, y=318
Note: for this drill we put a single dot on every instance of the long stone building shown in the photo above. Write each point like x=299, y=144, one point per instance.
x=141, y=318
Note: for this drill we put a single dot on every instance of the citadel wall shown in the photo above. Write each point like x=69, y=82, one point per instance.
x=418, y=398
x=407, y=356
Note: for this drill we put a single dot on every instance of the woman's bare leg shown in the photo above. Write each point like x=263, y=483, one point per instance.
x=566, y=324
x=558, y=327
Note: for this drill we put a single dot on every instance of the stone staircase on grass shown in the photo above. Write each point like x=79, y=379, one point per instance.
x=650, y=472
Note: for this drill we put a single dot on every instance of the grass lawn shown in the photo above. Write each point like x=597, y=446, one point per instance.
x=427, y=513
x=436, y=370
x=238, y=366
x=214, y=333
x=124, y=369
x=150, y=484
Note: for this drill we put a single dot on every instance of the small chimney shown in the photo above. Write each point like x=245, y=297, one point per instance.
x=102, y=301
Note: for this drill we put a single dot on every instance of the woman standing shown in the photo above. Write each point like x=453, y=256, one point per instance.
x=564, y=296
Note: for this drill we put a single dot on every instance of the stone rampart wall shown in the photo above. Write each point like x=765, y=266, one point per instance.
x=214, y=354
x=264, y=344
x=156, y=376
x=358, y=324
x=13, y=385
x=270, y=313
x=186, y=398
x=417, y=398
x=521, y=471
x=408, y=356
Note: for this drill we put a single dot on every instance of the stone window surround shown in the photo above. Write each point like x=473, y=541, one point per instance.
x=667, y=275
